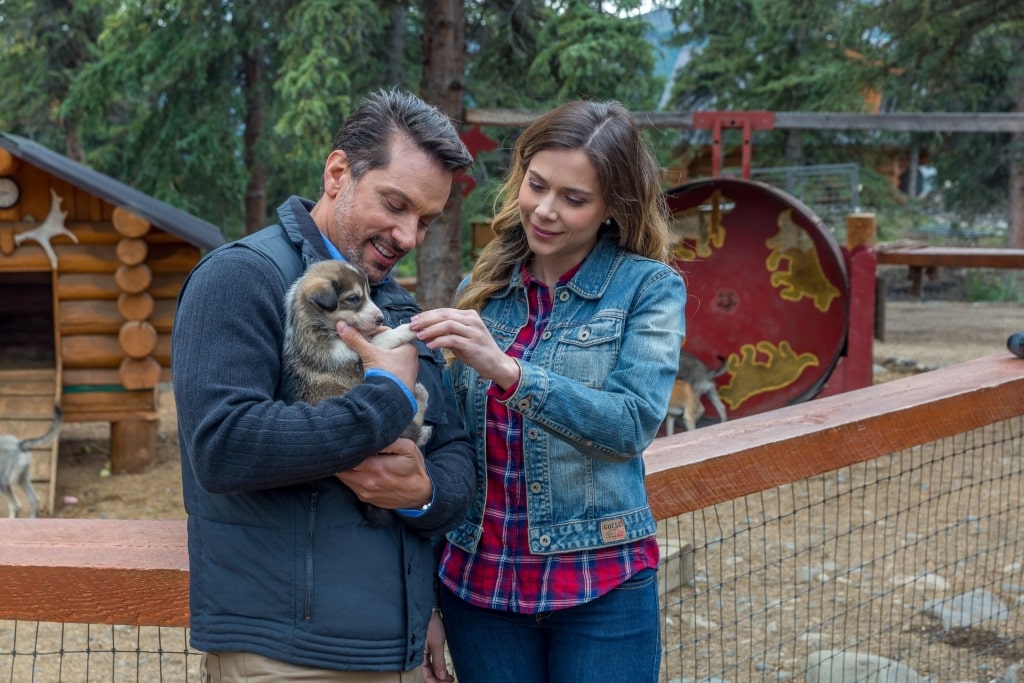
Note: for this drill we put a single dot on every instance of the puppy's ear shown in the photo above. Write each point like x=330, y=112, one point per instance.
x=324, y=297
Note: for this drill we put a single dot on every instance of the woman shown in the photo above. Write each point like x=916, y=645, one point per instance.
x=565, y=345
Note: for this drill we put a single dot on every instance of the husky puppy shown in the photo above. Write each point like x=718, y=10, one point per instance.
x=318, y=364
x=16, y=466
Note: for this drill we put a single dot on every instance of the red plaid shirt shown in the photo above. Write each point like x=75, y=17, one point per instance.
x=503, y=574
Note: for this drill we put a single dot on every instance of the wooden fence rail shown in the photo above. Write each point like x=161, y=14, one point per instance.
x=136, y=572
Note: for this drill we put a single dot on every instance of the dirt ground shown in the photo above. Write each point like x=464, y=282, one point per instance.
x=920, y=335
x=86, y=489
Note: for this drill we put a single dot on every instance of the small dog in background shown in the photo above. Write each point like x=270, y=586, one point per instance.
x=693, y=382
x=683, y=404
x=16, y=466
x=318, y=364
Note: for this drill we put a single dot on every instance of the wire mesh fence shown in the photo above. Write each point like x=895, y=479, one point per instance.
x=907, y=564
x=831, y=191
x=44, y=652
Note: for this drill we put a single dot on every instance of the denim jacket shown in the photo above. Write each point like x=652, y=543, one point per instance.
x=592, y=398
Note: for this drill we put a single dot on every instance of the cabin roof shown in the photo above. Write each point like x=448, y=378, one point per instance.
x=160, y=214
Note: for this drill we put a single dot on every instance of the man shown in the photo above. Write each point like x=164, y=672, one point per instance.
x=288, y=580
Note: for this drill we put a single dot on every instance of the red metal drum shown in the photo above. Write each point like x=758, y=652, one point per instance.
x=768, y=292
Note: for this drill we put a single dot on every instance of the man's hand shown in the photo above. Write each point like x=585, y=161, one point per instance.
x=402, y=362
x=394, y=478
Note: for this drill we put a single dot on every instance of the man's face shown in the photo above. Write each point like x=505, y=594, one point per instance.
x=378, y=219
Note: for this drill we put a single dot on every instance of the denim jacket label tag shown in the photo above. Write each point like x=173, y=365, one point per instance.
x=613, y=530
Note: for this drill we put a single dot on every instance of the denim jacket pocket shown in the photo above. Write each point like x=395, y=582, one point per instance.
x=588, y=352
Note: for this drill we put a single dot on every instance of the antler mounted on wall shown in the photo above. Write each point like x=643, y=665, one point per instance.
x=48, y=229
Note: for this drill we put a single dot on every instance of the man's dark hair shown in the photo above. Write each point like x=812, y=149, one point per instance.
x=366, y=135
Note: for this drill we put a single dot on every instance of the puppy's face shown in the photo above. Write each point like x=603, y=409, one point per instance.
x=330, y=291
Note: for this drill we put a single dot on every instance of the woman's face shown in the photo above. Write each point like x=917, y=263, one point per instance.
x=561, y=205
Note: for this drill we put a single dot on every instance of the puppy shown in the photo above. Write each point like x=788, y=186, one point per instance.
x=318, y=364
x=702, y=382
x=685, y=404
x=16, y=466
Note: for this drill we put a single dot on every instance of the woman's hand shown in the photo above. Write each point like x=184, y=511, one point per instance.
x=465, y=335
x=435, y=668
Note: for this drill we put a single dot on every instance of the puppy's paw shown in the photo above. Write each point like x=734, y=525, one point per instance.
x=425, y=432
x=422, y=397
x=420, y=432
x=392, y=339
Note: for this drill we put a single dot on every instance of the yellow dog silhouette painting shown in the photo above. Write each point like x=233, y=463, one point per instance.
x=803, y=276
x=750, y=375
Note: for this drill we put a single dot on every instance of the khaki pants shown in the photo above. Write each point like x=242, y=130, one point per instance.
x=246, y=667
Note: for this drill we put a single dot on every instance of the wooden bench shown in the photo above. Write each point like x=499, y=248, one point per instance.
x=925, y=259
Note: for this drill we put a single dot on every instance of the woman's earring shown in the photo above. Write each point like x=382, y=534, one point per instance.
x=608, y=222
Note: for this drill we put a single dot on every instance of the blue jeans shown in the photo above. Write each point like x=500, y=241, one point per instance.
x=614, y=639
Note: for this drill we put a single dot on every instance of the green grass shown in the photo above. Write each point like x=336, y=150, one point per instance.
x=995, y=286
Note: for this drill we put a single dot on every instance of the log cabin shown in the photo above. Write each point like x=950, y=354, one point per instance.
x=90, y=270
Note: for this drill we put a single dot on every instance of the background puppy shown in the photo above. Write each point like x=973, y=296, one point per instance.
x=16, y=466
x=685, y=404
x=702, y=381
x=318, y=364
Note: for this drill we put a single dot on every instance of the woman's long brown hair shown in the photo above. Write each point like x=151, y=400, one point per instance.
x=627, y=172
